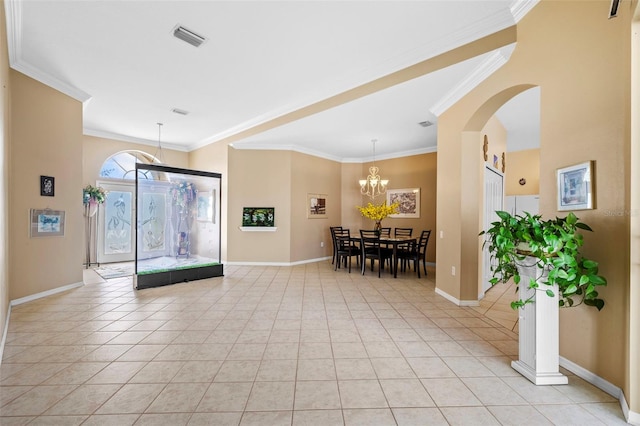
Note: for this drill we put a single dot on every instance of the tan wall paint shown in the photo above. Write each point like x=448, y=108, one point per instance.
x=214, y=158
x=350, y=193
x=497, y=137
x=5, y=119
x=523, y=164
x=259, y=179
x=633, y=319
x=313, y=175
x=583, y=117
x=46, y=139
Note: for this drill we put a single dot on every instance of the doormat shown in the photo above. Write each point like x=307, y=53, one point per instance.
x=109, y=272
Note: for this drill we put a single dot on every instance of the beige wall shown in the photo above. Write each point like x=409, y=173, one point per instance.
x=523, y=164
x=46, y=139
x=313, y=175
x=634, y=213
x=584, y=116
x=214, y=158
x=259, y=179
x=5, y=116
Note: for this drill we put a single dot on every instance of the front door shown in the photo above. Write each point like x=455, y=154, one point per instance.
x=115, y=223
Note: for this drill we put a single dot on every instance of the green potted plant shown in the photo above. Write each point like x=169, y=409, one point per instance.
x=554, y=245
x=546, y=253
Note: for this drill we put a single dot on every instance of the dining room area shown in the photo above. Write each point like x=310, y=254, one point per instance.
x=380, y=249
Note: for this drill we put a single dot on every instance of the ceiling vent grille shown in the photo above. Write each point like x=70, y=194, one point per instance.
x=425, y=123
x=179, y=111
x=188, y=36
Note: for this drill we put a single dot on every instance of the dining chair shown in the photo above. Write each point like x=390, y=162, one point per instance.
x=385, y=232
x=404, y=250
x=416, y=253
x=333, y=242
x=402, y=232
x=410, y=253
x=345, y=248
x=422, y=249
x=372, y=249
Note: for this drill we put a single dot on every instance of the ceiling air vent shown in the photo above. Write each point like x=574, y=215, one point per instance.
x=189, y=36
x=179, y=111
x=425, y=123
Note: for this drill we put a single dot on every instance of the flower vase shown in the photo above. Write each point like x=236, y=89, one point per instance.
x=378, y=227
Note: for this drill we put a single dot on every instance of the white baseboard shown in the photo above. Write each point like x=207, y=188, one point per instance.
x=42, y=294
x=452, y=299
x=300, y=262
x=4, y=333
x=605, y=386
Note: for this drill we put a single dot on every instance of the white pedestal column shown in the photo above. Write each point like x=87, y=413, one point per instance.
x=539, y=334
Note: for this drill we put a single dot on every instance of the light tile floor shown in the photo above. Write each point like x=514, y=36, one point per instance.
x=263, y=346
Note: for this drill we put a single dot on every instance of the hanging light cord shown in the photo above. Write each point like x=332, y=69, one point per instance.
x=158, y=153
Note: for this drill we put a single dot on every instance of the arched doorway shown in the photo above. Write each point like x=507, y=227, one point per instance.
x=115, y=231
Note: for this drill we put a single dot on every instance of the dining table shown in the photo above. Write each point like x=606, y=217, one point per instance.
x=394, y=242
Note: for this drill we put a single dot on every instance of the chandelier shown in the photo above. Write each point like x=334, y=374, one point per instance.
x=373, y=185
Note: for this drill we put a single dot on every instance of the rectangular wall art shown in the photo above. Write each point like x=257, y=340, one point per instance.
x=575, y=187
x=46, y=223
x=316, y=206
x=408, y=200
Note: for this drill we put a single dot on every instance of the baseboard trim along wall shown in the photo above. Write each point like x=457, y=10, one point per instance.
x=299, y=262
x=42, y=294
x=450, y=298
x=4, y=333
x=604, y=385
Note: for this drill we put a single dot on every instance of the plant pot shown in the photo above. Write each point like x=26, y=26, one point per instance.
x=91, y=208
x=538, y=328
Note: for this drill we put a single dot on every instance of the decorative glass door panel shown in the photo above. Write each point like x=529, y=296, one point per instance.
x=115, y=230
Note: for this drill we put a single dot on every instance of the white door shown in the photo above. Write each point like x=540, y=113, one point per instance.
x=115, y=223
x=493, y=201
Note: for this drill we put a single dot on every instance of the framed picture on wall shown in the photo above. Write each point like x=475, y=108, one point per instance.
x=316, y=206
x=575, y=187
x=408, y=200
x=47, y=186
x=46, y=223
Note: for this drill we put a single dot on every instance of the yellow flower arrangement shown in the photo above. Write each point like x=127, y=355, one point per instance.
x=378, y=212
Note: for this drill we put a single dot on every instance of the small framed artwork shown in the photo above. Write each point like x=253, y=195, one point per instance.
x=47, y=186
x=258, y=216
x=575, y=187
x=316, y=206
x=46, y=223
x=408, y=200
x=206, y=206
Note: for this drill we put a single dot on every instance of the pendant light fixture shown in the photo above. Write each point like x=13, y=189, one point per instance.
x=373, y=185
x=158, y=155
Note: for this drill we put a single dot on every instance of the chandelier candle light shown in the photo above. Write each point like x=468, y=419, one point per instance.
x=373, y=185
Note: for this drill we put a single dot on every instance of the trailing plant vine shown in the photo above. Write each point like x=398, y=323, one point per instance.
x=555, y=245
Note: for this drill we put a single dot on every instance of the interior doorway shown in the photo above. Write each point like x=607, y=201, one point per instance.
x=493, y=201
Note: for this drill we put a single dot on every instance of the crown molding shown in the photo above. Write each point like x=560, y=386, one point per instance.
x=519, y=8
x=123, y=138
x=275, y=147
x=477, y=76
x=13, y=11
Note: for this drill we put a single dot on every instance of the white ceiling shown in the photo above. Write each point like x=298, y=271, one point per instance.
x=263, y=59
